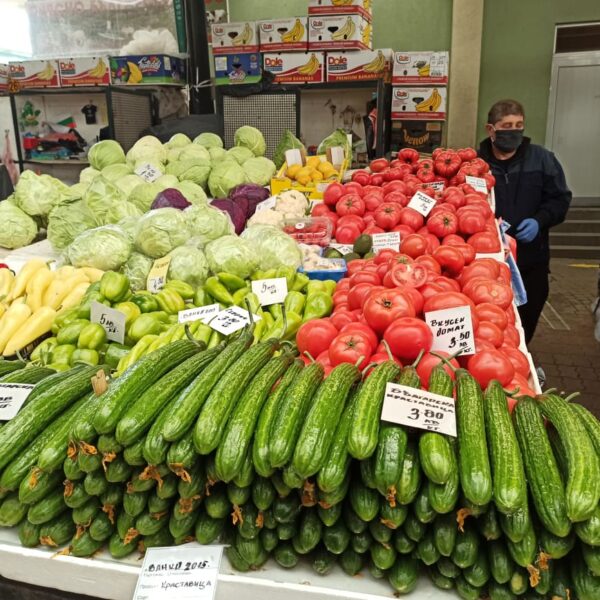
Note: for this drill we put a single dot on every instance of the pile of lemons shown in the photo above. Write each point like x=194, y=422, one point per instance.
x=315, y=171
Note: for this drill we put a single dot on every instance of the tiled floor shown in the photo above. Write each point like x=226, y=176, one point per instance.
x=564, y=344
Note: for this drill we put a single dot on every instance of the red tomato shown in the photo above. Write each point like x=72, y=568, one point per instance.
x=333, y=192
x=512, y=336
x=520, y=386
x=491, y=364
x=378, y=165
x=320, y=210
x=450, y=259
x=382, y=308
x=353, y=188
x=429, y=361
x=408, y=155
x=377, y=179
x=349, y=348
x=445, y=300
x=315, y=336
x=394, y=186
x=442, y=223
x=453, y=240
x=342, y=317
x=470, y=221
x=340, y=297
x=454, y=196
x=482, y=267
x=467, y=154
x=364, y=329
x=355, y=220
x=490, y=332
x=415, y=296
x=447, y=163
x=449, y=285
x=404, y=230
x=361, y=177
x=358, y=294
x=350, y=204
x=406, y=338
x=468, y=252
x=432, y=241
x=354, y=266
x=493, y=292
x=387, y=215
x=412, y=275
x=518, y=359
x=504, y=274
x=372, y=189
x=364, y=276
x=412, y=218
x=323, y=359
x=431, y=289
x=385, y=255
x=343, y=285
x=347, y=234
x=372, y=201
x=430, y=262
x=396, y=197
x=393, y=174
x=371, y=229
x=484, y=242
x=492, y=313
x=414, y=245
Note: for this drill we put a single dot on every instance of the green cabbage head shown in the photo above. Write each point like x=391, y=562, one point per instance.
x=224, y=177
x=107, y=248
x=105, y=153
x=188, y=264
x=207, y=223
x=231, y=254
x=137, y=269
x=17, y=229
x=259, y=170
x=160, y=231
x=251, y=138
x=66, y=222
x=209, y=140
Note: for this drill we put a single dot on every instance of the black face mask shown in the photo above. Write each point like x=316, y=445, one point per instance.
x=508, y=140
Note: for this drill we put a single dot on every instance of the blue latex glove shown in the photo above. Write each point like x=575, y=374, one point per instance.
x=527, y=230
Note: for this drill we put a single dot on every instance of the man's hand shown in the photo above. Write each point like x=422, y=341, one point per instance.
x=527, y=230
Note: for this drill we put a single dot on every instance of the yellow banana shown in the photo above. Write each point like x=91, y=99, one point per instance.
x=431, y=104
x=295, y=34
x=311, y=67
x=377, y=65
x=341, y=2
x=366, y=35
x=346, y=32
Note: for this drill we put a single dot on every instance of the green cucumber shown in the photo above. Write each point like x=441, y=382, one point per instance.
x=392, y=516
x=71, y=469
x=590, y=422
x=500, y=561
x=403, y=543
x=323, y=561
x=84, y=545
x=445, y=531
x=29, y=534
x=478, y=573
x=285, y=555
x=523, y=552
x=38, y=484
x=263, y=493
x=47, y=509
x=101, y=528
x=364, y=501
x=95, y=483
x=466, y=548
x=12, y=511
x=410, y=477
x=134, y=455
x=336, y=538
x=83, y=515
x=427, y=550
x=515, y=526
x=330, y=515
x=208, y=529
x=134, y=503
x=351, y=562
x=589, y=531
x=586, y=584
x=361, y=542
x=489, y=525
x=150, y=524
x=119, y=549
x=465, y=590
x=554, y=546
x=422, y=507
x=404, y=574
x=443, y=497
x=439, y=580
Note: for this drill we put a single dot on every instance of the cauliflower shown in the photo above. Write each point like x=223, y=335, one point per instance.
x=292, y=203
x=268, y=216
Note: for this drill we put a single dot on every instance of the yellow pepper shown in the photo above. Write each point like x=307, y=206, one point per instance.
x=35, y=326
x=74, y=297
x=15, y=316
x=25, y=275
x=65, y=272
x=37, y=286
x=92, y=274
x=59, y=289
x=7, y=279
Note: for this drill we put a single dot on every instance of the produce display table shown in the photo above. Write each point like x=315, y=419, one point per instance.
x=15, y=259
x=115, y=580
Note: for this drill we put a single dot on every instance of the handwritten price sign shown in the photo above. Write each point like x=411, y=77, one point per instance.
x=12, y=397
x=270, y=291
x=452, y=330
x=112, y=320
x=422, y=203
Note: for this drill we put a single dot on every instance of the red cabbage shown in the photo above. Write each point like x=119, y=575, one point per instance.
x=235, y=212
x=170, y=198
x=248, y=195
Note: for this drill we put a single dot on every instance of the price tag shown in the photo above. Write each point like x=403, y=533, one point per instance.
x=148, y=172
x=422, y=203
x=330, y=264
x=266, y=204
x=477, y=183
x=418, y=408
x=187, y=572
x=438, y=186
x=112, y=320
x=343, y=248
x=382, y=241
x=232, y=319
x=99, y=383
x=293, y=157
x=12, y=397
x=200, y=313
x=158, y=274
x=270, y=291
x=452, y=330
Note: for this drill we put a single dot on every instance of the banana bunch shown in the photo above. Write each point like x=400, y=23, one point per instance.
x=135, y=75
x=346, y=32
x=425, y=70
x=295, y=34
x=311, y=67
x=377, y=65
x=366, y=34
x=241, y=39
x=431, y=104
x=48, y=72
x=341, y=2
x=99, y=70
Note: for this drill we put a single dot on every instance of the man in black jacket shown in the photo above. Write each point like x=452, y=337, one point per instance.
x=531, y=195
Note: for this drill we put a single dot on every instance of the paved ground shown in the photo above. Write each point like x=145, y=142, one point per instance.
x=564, y=344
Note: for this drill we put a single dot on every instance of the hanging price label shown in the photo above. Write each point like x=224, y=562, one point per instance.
x=148, y=172
x=158, y=274
x=187, y=572
x=383, y=241
x=12, y=397
x=452, y=330
x=232, y=319
x=422, y=203
x=270, y=291
x=418, y=408
x=438, y=186
x=112, y=320
x=342, y=248
x=266, y=204
x=477, y=183
x=200, y=313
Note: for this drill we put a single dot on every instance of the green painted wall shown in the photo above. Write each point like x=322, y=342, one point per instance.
x=397, y=24
x=516, y=57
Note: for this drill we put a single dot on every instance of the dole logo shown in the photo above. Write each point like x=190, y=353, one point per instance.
x=402, y=58
x=337, y=60
x=316, y=23
x=17, y=69
x=400, y=94
x=217, y=30
x=67, y=66
x=267, y=27
x=273, y=62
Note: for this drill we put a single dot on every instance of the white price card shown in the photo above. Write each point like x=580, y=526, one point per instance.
x=418, y=408
x=266, y=204
x=232, y=319
x=422, y=203
x=148, y=172
x=12, y=397
x=112, y=320
x=342, y=248
x=438, y=186
x=386, y=241
x=187, y=572
x=270, y=291
x=330, y=264
x=158, y=274
x=199, y=313
x=477, y=183
x=452, y=330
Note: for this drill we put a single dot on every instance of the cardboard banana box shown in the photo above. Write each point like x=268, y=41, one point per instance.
x=29, y=74
x=339, y=32
x=420, y=68
x=361, y=65
x=235, y=38
x=244, y=67
x=341, y=7
x=296, y=67
x=3, y=77
x=282, y=35
x=147, y=69
x=427, y=104
x=89, y=70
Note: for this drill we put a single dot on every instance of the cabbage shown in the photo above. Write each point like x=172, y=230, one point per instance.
x=142, y=196
x=166, y=181
x=106, y=202
x=17, y=229
x=160, y=231
x=338, y=138
x=209, y=140
x=170, y=198
x=76, y=191
x=224, y=177
x=251, y=138
x=178, y=140
x=192, y=192
x=147, y=149
x=206, y=223
x=35, y=194
x=88, y=174
x=137, y=269
x=188, y=264
x=195, y=152
x=173, y=154
x=60, y=187
x=106, y=248
x=66, y=222
x=240, y=154
x=259, y=170
x=288, y=142
x=128, y=225
x=217, y=155
x=196, y=171
x=231, y=254
x=272, y=247
x=105, y=153
x=114, y=172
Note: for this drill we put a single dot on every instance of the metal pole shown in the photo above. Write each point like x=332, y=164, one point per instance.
x=201, y=101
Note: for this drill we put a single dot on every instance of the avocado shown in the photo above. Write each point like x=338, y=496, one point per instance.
x=351, y=256
x=369, y=255
x=363, y=244
x=332, y=253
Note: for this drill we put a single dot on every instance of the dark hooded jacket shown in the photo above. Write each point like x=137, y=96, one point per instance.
x=530, y=184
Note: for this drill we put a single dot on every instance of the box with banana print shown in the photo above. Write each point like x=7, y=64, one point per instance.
x=361, y=65
x=339, y=32
x=3, y=77
x=340, y=7
x=420, y=68
x=235, y=38
x=147, y=69
x=296, y=67
x=29, y=74
x=282, y=35
x=89, y=70
x=428, y=103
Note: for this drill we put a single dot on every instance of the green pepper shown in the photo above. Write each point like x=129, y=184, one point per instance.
x=114, y=353
x=135, y=353
x=92, y=336
x=300, y=282
x=43, y=351
x=85, y=355
x=259, y=329
x=318, y=305
x=114, y=286
x=276, y=310
x=253, y=303
x=145, y=301
x=59, y=367
x=62, y=353
x=270, y=274
x=268, y=319
x=294, y=320
x=218, y=291
x=330, y=286
x=202, y=297
x=147, y=324
x=63, y=318
x=294, y=302
x=185, y=290
x=202, y=333
x=289, y=273
x=215, y=339
x=279, y=330
x=178, y=332
x=84, y=309
x=315, y=285
x=231, y=282
x=170, y=301
x=160, y=315
x=93, y=287
x=131, y=311
x=239, y=295
x=70, y=333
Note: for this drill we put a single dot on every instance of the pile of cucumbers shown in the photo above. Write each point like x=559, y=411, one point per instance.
x=248, y=445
